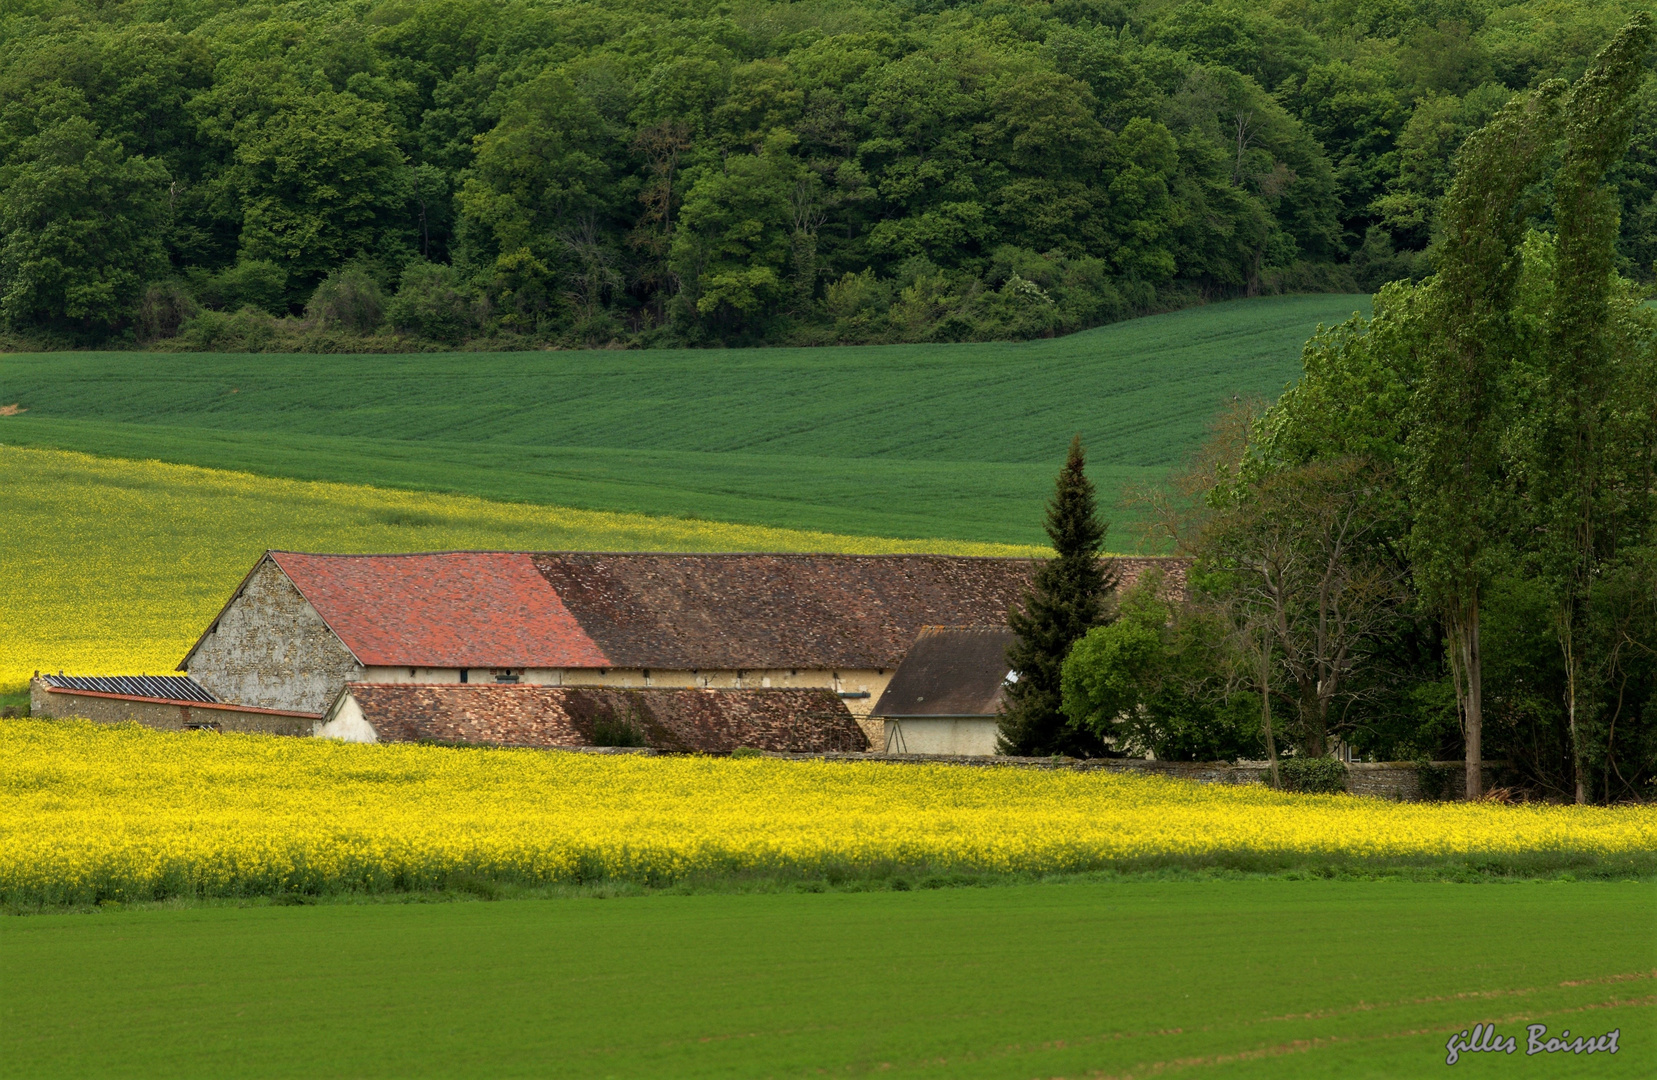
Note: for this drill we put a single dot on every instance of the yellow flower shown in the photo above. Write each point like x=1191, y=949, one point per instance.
x=89, y=811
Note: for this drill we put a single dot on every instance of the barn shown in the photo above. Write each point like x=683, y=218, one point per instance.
x=301, y=626
x=324, y=637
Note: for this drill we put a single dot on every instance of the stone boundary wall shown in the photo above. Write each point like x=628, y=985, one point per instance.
x=162, y=714
x=1397, y=780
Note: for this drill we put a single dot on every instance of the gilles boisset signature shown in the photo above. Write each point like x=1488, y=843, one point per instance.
x=1484, y=1039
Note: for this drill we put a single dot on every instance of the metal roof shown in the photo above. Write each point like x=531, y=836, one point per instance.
x=169, y=687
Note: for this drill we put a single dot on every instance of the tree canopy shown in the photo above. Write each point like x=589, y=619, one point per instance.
x=1441, y=539
x=822, y=171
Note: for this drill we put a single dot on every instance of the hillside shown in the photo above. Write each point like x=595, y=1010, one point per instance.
x=957, y=442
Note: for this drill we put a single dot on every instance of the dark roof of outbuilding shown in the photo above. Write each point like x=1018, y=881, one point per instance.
x=164, y=687
x=683, y=720
x=950, y=671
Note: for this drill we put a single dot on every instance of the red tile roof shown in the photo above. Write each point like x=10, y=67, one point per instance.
x=467, y=609
x=682, y=720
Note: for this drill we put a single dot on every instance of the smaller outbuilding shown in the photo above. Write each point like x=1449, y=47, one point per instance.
x=679, y=720
x=945, y=698
x=164, y=702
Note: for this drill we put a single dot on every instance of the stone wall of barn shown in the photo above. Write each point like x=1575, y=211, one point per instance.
x=271, y=649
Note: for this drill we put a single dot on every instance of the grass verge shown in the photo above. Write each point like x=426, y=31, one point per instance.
x=1148, y=977
x=470, y=889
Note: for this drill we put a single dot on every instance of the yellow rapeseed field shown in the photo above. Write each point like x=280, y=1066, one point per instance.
x=90, y=812
x=114, y=567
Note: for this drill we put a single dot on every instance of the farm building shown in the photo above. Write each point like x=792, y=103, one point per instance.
x=167, y=702
x=945, y=698
x=301, y=627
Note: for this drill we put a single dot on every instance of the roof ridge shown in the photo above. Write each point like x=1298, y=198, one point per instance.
x=691, y=554
x=978, y=628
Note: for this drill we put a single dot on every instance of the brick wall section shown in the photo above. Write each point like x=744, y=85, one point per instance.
x=272, y=650
x=162, y=715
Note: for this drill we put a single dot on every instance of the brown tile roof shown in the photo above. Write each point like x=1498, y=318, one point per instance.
x=1129, y=567
x=776, y=611
x=950, y=671
x=684, y=720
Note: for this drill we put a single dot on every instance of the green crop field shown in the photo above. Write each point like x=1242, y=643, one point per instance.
x=920, y=441
x=1232, y=978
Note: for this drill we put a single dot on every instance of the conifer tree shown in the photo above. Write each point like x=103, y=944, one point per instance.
x=1065, y=600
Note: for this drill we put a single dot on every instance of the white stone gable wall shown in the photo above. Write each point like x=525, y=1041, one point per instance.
x=271, y=649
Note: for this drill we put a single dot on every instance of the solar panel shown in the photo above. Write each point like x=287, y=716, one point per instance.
x=171, y=687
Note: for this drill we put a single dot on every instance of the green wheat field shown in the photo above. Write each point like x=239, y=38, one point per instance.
x=1148, y=978
x=950, y=442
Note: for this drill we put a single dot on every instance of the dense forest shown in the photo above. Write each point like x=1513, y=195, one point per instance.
x=1441, y=541
x=337, y=174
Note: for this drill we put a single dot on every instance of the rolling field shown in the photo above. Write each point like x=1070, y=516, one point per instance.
x=1218, y=978
x=111, y=566
x=938, y=441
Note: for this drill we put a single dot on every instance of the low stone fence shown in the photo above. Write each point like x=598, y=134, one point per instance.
x=1398, y=780
x=164, y=714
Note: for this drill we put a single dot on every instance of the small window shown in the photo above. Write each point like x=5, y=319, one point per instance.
x=505, y=675
x=463, y=674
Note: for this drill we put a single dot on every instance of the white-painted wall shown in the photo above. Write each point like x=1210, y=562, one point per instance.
x=960, y=736
x=346, y=723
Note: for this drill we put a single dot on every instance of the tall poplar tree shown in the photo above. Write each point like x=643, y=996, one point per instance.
x=1579, y=361
x=1066, y=600
x=1468, y=340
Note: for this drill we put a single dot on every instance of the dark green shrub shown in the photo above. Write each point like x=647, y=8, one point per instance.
x=347, y=300
x=747, y=752
x=1313, y=775
x=432, y=302
x=209, y=330
x=1433, y=780
x=249, y=330
x=164, y=307
x=258, y=282
x=616, y=731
